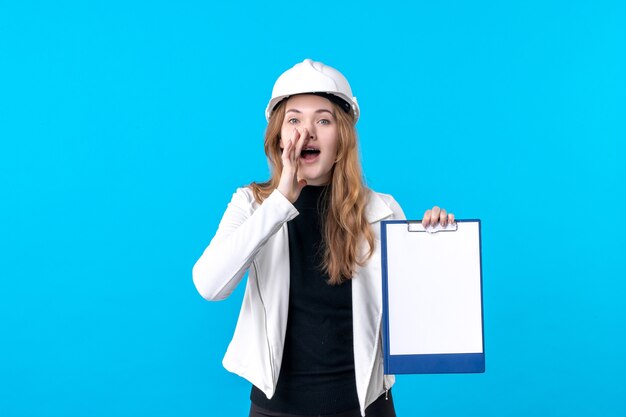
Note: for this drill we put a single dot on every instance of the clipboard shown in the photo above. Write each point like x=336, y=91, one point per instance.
x=432, y=298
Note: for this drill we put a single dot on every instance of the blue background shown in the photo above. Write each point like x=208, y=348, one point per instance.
x=126, y=126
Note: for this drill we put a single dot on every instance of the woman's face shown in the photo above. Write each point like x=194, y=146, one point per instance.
x=316, y=115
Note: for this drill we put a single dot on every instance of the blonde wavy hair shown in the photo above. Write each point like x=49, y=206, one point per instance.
x=344, y=222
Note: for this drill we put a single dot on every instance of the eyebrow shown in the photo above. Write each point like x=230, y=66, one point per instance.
x=316, y=111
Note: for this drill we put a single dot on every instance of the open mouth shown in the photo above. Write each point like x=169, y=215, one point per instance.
x=309, y=154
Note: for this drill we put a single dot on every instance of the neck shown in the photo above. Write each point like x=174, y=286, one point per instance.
x=311, y=196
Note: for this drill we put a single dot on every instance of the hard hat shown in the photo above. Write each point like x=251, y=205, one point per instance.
x=312, y=77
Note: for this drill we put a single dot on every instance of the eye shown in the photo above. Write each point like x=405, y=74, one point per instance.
x=292, y=121
x=324, y=122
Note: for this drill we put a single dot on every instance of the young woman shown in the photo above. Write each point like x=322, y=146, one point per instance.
x=309, y=332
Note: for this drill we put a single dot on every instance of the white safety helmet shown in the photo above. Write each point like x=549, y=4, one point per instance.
x=315, y=78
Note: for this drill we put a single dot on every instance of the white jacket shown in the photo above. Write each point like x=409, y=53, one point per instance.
x=253, y=237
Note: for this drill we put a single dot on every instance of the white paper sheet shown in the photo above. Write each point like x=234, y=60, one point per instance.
x=434, y=290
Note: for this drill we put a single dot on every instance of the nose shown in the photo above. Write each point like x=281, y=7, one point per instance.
x=310, y=128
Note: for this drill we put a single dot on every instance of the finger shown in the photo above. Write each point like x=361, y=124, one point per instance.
x=434, y=215
x=451, y=218
x=443, y=217
x=300, y=143
x=296, y=137
x=285, y=154
x=426, y=219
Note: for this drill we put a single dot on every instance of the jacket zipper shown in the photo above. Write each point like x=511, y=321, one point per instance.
x=386, y=389
x=269, y=347
x=380, y=340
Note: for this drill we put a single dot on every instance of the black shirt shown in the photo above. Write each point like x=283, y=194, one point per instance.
x=317, y=371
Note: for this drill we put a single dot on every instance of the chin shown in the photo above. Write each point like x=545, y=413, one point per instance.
x=314, y=177
x=317, y=181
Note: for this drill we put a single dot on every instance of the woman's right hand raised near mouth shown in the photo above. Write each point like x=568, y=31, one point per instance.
x=290, y=186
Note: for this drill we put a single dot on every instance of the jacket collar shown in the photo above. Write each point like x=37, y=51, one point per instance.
x=376, y=209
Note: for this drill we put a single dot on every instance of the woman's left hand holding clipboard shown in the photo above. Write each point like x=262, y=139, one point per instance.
x=437, y=215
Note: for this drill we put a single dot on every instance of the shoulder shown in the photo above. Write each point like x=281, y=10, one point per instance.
x=244, y=193
x=243, y=197
x=242, y=200
x=385, y=200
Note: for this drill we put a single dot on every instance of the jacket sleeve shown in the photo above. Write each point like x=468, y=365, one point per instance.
x=242, y=232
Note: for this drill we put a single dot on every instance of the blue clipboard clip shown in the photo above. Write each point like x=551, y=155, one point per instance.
x=416, y=226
